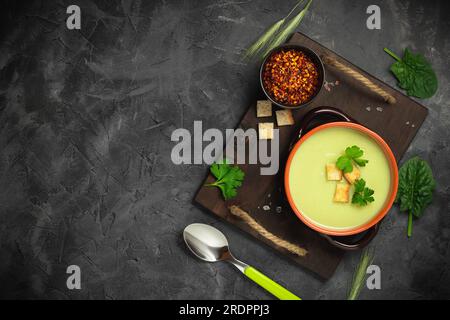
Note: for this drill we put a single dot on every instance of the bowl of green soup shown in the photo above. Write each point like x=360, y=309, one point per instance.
x=341, y=178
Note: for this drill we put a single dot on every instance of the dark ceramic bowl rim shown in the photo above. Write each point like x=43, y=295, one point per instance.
x=316, y=59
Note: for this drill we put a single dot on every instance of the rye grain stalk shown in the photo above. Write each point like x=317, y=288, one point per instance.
x=268, y=36
x=284, y=34
x=359, y=276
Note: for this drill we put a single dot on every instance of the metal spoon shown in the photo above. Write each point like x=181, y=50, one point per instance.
x=209, y=244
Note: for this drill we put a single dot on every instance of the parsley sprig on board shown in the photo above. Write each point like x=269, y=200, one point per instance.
x=229, y=178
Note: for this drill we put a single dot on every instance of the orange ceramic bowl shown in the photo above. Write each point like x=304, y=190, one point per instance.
x=393, y=180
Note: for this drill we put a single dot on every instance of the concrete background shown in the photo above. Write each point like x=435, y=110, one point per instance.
x=86, y=118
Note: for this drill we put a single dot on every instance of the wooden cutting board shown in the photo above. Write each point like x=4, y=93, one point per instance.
x=397, y=124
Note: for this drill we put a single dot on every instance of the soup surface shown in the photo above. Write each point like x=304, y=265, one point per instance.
x=312, y=193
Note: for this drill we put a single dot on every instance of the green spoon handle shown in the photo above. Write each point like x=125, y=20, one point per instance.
x=270, y=285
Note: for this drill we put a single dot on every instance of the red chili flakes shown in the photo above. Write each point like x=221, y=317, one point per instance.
x=290, y=77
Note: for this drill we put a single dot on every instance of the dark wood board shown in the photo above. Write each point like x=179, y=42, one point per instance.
x=397, y=124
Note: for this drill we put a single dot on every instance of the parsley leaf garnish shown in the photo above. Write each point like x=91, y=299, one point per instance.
x=229, y=178
x=362, y=195
x=345, y=164
x=352, y=154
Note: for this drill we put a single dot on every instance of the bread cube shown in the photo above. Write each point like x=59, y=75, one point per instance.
x=265, y=130
x=333, y=172
x=284, y=118
x=353, y=176
x=263, y=108
x=342, y=192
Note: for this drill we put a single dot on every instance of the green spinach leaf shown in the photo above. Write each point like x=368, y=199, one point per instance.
x=415, y=188
x=414, y=74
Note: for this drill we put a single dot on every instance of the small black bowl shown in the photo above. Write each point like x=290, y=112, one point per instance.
x=315, y=59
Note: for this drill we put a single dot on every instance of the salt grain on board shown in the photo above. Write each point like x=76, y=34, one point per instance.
x=266, y=208
x=379, y=109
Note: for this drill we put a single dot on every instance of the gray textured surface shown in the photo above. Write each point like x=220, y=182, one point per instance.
x=86, y=118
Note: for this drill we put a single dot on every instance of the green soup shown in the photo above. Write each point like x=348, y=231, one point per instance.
x=312, y=193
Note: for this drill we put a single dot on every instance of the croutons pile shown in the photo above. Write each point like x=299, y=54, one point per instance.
x=342, y=191
x=264, y=110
